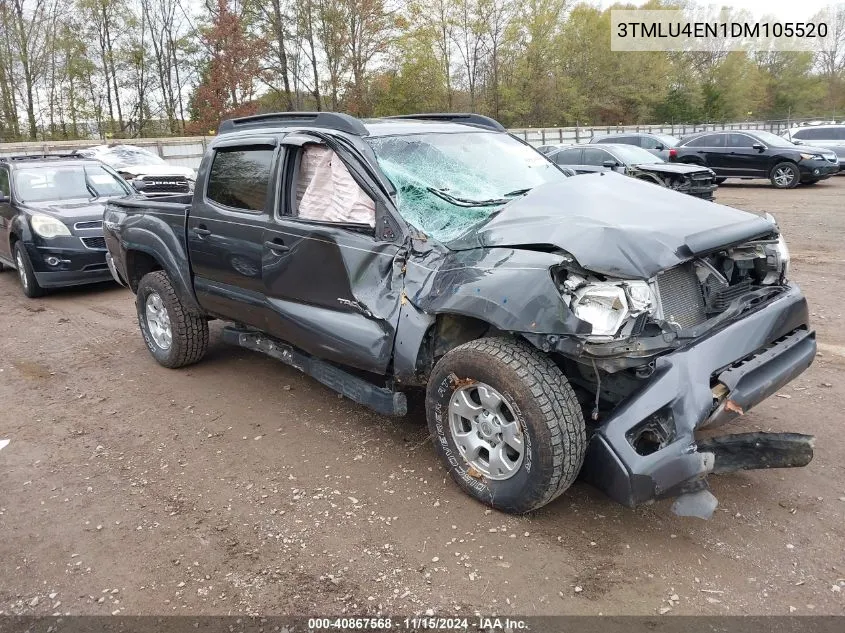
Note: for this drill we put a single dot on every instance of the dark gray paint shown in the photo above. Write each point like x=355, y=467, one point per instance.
x=371, y=300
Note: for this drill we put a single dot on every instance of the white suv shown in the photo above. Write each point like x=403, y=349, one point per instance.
x=832, y=136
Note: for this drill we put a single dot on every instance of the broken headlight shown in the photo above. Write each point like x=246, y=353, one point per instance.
x=777, y=258
x=607, y=305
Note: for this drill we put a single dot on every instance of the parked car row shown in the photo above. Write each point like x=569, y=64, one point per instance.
x=785, y=161
x=559, y=326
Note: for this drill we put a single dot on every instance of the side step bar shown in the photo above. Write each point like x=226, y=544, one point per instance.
x=357, y=389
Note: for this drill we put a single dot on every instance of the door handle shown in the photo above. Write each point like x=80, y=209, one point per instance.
x=276, y=247
x=201, y=232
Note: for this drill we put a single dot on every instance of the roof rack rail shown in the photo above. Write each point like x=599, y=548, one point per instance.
x=331, y=120
x=467, y=118
x=40, y=156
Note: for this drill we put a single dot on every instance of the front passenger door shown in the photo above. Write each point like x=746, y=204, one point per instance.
x=741, y=159
x=333, y=280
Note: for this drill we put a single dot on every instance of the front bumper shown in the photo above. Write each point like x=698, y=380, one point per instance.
x=707, y=382
x=67, y=262
x=817, y=169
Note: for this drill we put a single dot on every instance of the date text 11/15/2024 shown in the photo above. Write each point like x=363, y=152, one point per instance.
x=420, y=623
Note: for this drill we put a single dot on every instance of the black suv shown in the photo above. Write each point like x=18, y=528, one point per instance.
x=51, y=219
x=757, y=154
x=554, y=322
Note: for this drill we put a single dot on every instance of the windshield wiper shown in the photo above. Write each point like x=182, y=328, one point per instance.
x=464, y=202
x=518, y=192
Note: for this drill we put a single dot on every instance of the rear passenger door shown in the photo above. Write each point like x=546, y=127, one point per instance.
x=226, y=226
x=333, y=271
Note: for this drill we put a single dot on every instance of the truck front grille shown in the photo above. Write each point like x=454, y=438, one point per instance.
x=681, y=296
x=165, y=184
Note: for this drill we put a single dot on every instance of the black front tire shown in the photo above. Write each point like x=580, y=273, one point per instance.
x=26, y=274
x=785, y=175
x=188, y=330
x=540, y=400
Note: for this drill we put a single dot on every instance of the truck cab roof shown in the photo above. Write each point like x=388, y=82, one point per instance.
x=452, y=123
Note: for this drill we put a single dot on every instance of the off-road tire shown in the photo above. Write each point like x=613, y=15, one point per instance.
x=544, y=404
x=796, y=175
x=24, y=265
x=189, y=329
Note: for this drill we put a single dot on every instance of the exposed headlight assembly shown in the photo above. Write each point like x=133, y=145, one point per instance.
x=48, y=227
x=777, y=258
x=607, y=305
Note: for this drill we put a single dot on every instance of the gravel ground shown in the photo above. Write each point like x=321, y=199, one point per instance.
x=240, y=486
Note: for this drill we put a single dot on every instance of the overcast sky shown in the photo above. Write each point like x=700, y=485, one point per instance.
x=782, y=9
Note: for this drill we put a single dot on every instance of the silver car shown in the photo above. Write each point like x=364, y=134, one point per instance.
x=657, y=144
x=832, y=136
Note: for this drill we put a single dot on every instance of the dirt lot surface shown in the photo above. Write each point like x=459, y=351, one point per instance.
x=241, y=486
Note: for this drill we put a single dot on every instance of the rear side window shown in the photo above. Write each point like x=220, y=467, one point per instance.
x=708, y=140
x=240, y=177
x=568, y=157
x=811, y=134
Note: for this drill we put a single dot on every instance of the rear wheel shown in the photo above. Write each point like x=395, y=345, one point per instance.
x=175, y=335
x=25, y=273
x=785, y=175
x=506, y=423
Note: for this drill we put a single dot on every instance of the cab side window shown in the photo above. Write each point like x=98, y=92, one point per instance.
x=327, y=192
x=596, y=157
x=240, y=177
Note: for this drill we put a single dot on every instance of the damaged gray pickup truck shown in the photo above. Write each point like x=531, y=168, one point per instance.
x=559, y=325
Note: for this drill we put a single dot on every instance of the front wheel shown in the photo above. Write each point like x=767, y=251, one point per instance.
x=785, y=175
x=26, y=274
x=175, y=335
x=506, y=423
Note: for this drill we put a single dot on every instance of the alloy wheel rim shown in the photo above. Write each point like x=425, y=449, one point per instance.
x=784, y=176
x=486, y=431
x=158, y=321
x=21, y=270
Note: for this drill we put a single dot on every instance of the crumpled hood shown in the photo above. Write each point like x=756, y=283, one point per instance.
x=156, y=170
x=616, y=225
x=673, y=168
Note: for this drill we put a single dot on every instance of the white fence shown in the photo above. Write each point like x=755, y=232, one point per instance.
x=188, y=151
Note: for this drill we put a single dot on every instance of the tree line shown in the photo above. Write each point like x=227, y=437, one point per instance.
x=126, y=68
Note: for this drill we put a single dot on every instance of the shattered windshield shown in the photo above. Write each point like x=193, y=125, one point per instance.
x=448, y=183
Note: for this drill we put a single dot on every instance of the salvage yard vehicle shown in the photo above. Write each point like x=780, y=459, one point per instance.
x=555, y=322
x=830, y=136
x=51, y=219
x=654, y=143
x=147, y=172
x=757, y=154
x=638, y=163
